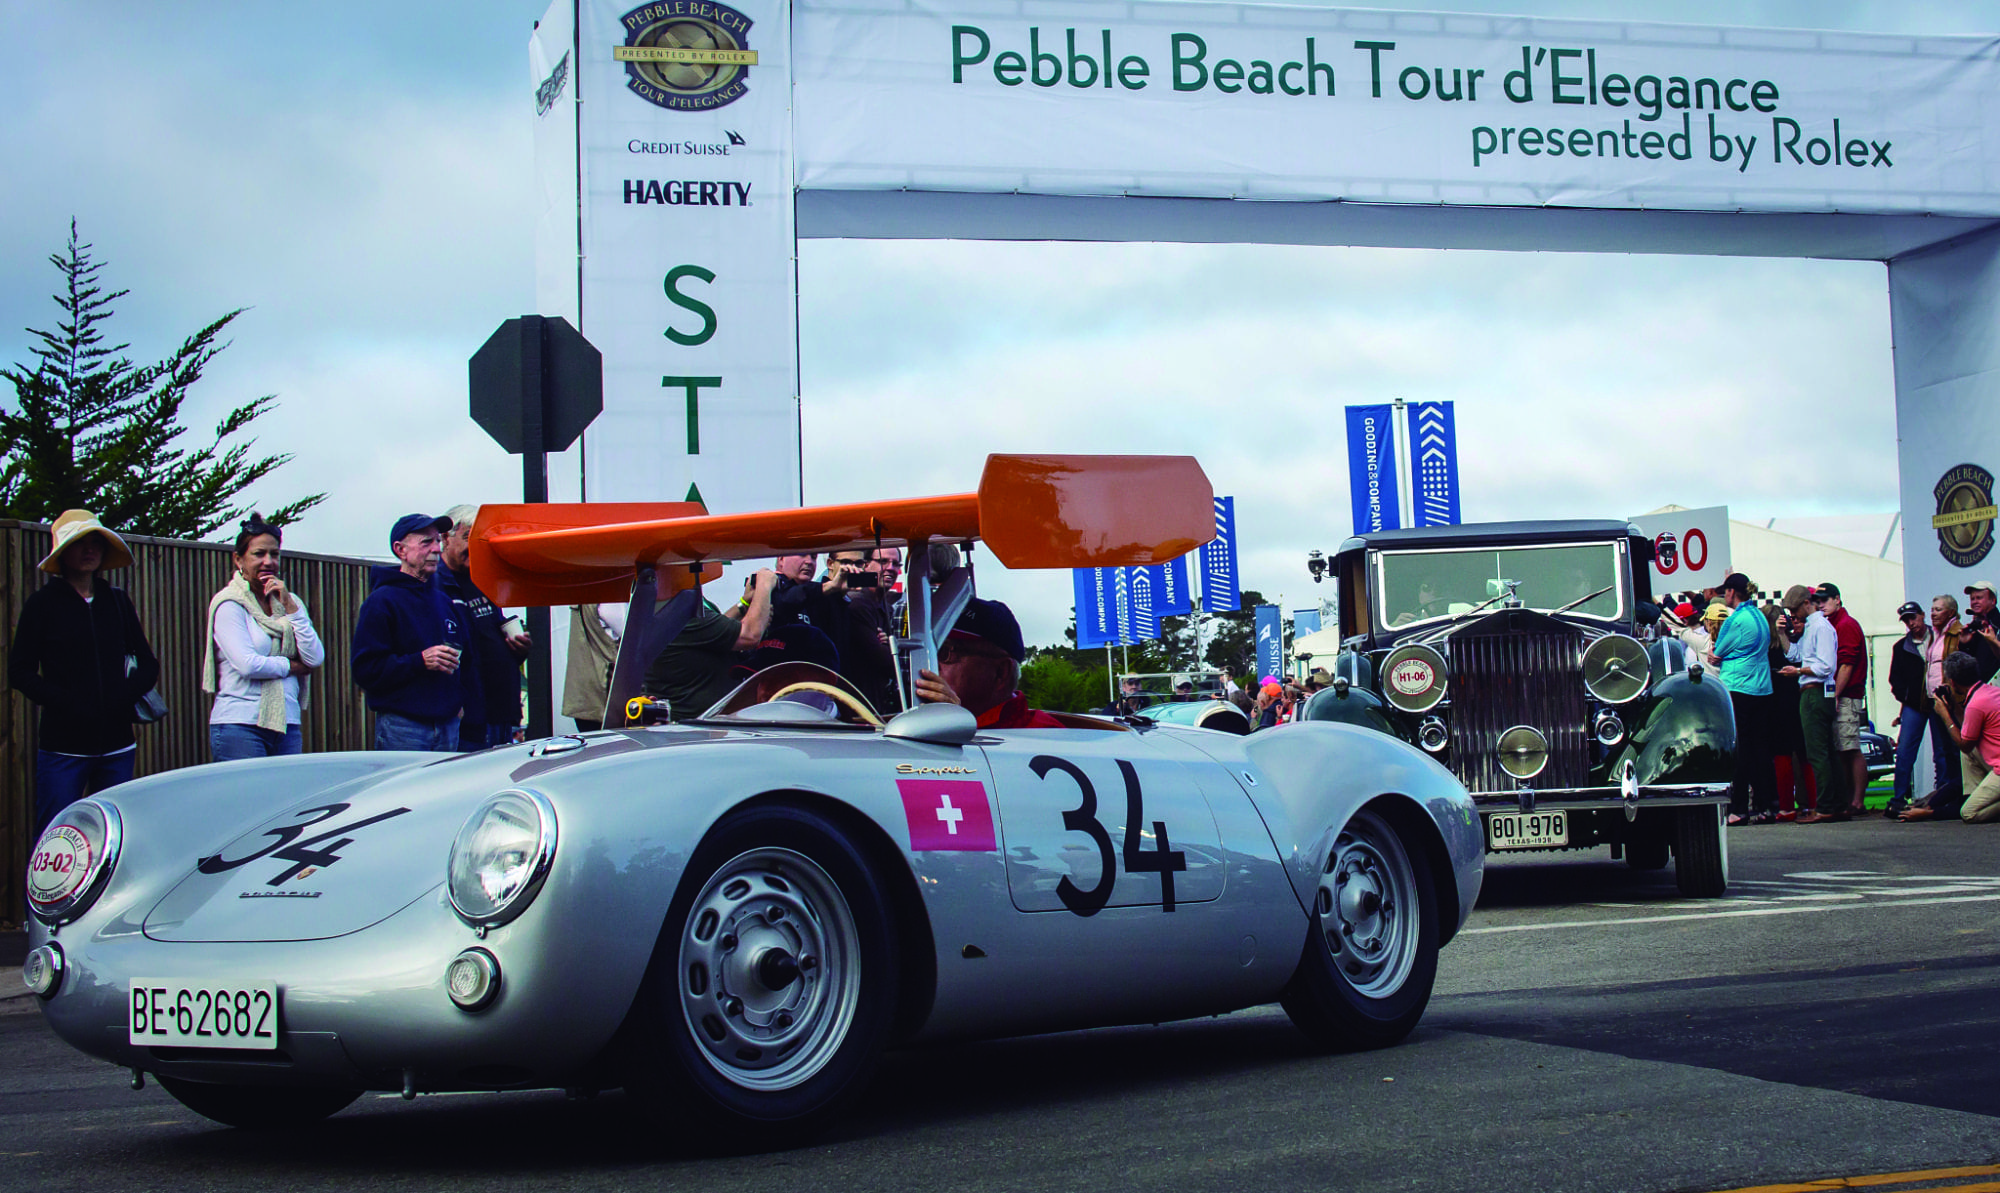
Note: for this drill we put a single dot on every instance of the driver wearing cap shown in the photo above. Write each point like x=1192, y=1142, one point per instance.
x=979, y=668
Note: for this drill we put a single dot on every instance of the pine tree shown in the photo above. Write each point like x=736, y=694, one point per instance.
x=92, y=430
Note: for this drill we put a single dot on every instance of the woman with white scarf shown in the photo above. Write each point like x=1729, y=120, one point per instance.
x=261, y=647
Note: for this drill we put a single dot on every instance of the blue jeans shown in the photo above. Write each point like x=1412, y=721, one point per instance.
x=229, y=742
x=1909, y=740
x=63, y=779
x=394, y=731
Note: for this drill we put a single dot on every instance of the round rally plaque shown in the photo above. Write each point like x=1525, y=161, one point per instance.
x=60, y=866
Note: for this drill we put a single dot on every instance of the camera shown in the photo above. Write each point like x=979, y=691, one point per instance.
x=864, y=580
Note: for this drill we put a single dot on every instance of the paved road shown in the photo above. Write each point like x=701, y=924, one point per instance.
x=1837, y=1016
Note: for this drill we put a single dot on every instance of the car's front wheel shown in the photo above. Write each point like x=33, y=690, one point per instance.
x=773, y=990
x=1701, y=853
x=1371, y=957
x=258, y=1107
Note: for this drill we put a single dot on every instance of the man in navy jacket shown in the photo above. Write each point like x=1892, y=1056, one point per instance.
x=408, y=644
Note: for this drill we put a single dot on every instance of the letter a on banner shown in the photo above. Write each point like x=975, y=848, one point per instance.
x=1218, y=562
x=1371, y=468
x=1434, y=461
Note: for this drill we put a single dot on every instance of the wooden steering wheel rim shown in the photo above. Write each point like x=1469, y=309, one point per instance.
x=826, y=689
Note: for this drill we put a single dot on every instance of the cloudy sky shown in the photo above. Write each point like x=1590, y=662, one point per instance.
x=359, y=179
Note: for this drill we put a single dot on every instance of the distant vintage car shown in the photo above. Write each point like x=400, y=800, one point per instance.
x=735, y=915
x=1513, y=652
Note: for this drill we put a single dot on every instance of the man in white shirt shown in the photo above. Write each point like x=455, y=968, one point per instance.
x=1814, y=661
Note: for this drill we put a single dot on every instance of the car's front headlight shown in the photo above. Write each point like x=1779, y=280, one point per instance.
x=501, y=856
x=73, y=860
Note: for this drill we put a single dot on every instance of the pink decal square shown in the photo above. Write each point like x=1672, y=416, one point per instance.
x=948, y=814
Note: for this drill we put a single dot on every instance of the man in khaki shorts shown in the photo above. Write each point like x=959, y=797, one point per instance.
x=1978, y=736
x=1850, y=692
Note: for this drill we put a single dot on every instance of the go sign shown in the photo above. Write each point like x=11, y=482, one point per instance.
x=1690, y=547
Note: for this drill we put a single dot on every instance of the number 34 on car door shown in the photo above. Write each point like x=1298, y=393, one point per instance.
x=1090, y=826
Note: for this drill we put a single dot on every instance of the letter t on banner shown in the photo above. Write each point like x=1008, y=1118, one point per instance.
x=1434, y=460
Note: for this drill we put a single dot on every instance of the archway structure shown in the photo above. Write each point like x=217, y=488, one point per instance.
x=684, y=146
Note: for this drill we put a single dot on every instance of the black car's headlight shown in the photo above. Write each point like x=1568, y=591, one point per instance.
x=501, y=856
x=1616, y=669
x=73, y=860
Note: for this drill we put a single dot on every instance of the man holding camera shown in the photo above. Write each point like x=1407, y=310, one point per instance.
x=1978, y=737
x=1981, y=636
x=408, y=644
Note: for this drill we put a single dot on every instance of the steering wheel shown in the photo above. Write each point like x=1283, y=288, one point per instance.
x=840, y=696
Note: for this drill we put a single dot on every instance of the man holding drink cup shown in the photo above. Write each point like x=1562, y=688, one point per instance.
x=408, y=644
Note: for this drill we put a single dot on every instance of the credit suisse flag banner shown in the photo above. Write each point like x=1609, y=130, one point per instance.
x=674, y=257
x=1115, y=97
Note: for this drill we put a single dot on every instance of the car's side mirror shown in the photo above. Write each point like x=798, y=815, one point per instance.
x=939, y=724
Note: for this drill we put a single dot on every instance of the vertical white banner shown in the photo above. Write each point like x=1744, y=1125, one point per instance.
x=688, y=281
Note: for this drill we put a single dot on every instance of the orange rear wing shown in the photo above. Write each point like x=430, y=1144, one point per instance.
x=1032, y=511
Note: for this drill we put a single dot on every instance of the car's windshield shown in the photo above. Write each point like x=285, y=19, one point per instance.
x=1413, y=586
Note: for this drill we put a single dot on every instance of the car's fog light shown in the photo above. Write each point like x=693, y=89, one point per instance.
x=1432, y=735
x=1610, y=729
x=42, y=970
x=1523, y=752
x=473, y=979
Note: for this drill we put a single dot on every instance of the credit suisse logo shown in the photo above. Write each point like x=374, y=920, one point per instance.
x=686, y=55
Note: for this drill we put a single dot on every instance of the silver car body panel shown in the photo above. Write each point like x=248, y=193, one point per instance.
x=356, y=930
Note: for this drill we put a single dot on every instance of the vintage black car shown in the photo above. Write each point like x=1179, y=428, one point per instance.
x=1521, y=656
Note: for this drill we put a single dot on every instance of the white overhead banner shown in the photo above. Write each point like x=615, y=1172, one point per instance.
x=1268, y=102
x=686, y=284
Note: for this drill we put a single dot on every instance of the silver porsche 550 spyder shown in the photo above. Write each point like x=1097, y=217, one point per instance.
x=737, y=914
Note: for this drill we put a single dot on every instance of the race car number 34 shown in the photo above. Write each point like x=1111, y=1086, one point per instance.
x=179, y=1013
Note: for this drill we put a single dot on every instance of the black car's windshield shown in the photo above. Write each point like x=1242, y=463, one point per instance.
x=1413, y=586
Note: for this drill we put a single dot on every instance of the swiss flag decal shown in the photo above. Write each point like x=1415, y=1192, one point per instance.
x=948, y=814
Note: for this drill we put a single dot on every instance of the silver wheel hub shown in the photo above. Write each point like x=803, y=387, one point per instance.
x=1368, y=907
x=769, y=969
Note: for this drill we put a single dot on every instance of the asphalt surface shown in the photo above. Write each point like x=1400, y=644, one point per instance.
x=1837, y=1016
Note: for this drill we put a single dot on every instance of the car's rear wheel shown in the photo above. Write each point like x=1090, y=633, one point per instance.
x=773, y=989
x=1371, y=957
x=1701, y=855
x=258, y=1107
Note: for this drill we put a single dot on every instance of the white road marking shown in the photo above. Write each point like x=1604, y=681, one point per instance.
x=1721, y=915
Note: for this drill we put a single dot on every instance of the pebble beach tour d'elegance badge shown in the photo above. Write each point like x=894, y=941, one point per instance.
x=1965, y=513
x=686, y=55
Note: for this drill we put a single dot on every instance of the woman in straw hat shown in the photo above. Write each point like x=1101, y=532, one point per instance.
x=80, y=655
x=261, y=646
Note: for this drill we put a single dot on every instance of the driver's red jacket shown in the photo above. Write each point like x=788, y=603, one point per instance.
x=1014, y=713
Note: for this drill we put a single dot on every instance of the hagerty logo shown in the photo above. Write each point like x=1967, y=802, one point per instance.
x=687, y=55
x=1965, y=513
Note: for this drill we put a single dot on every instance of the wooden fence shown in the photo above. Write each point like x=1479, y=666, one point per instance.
x=171, y=581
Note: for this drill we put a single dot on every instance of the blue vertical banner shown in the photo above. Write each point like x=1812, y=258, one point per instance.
x=1218, y=561
x=1096, y=607
x=1304, y=621
x=1121, y=588
x=1434, y=463
x=1142, y=597
x=1371, y=468
x=1169, y=585
x=1270, y=641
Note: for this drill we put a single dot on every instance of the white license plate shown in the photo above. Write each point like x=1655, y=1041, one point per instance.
x=1527, y=830
x=180, y=1013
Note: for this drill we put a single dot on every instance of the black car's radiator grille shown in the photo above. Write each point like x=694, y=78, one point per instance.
x=1500, y=681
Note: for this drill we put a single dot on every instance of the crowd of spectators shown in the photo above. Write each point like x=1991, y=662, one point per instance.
x=1797, y=677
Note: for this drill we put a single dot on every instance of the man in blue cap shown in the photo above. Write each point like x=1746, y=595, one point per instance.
x=408, y=646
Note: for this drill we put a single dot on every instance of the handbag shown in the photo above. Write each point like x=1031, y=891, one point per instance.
x=148, y=708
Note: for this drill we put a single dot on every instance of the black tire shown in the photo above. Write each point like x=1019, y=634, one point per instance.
x=1701, y=856
x=1371, y=956
x=1647, y=852
x=258, y=1107
x=772, y=991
